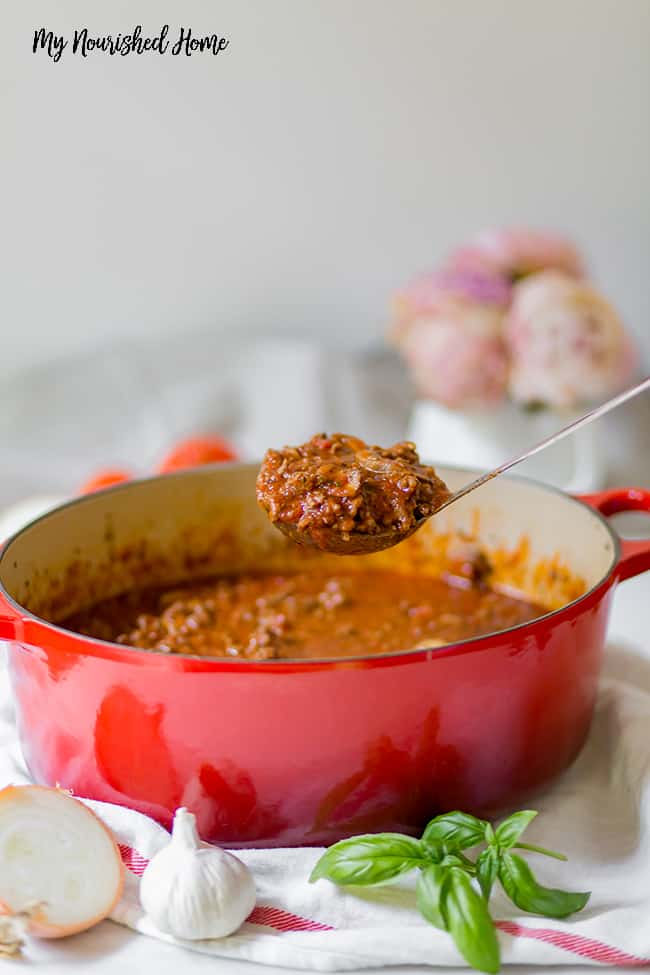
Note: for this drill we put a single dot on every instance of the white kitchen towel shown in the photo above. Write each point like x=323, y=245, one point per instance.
x=598, y=813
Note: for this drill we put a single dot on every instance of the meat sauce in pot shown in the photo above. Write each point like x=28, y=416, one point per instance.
x=306, y=614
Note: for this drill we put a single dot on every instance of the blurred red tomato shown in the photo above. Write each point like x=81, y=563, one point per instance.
x=105, y=478
x=196, y=451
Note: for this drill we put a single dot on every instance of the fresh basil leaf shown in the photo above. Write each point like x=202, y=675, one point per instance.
x=540, y=849
x=429, y=892
x=510, y=830
x=453, y=831
x=456, y=860
x=523, y=890
x=370, y=859
x=469, y=922
x=487, y=868
x=489, y=833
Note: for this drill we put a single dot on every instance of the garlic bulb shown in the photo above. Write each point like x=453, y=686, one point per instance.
x=194, y=890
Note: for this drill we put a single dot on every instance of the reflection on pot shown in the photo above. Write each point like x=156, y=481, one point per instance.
x=59, y=665
x=131, y=752
x=395, y=787
x=227, y=807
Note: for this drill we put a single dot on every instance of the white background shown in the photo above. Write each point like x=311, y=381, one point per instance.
x=294, y=181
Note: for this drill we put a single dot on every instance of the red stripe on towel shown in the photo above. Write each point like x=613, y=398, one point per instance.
x=577, y=944
x=132, y=860
x=273, y=917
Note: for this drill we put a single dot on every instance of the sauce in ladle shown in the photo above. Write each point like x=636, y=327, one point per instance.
x=341, y=495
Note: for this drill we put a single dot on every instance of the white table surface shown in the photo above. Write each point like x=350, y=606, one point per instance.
x=110, y=948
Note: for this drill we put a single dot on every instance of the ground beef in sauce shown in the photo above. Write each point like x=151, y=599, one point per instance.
x=340, y=484
x=304, y=614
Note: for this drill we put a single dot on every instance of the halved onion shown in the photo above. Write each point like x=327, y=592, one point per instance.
x=59, y=864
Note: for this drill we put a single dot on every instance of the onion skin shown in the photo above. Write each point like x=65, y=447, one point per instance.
x=37, y=924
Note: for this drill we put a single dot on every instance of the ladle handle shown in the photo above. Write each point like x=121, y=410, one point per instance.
x=582, y=421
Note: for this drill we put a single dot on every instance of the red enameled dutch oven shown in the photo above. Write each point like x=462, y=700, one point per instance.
x=281, y=752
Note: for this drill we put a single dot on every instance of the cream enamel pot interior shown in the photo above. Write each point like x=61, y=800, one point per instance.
x=282, y=752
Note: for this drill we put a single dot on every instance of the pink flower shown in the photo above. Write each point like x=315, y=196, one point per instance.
x=431, y=293
x=516, y=253
x=567, y=343
x=456, y=354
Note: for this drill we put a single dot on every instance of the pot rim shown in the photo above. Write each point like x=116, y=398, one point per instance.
x=119, y=651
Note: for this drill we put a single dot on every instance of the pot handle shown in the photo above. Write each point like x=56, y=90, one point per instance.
x=11, y=624
x=635, y=554
x=8, y=628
